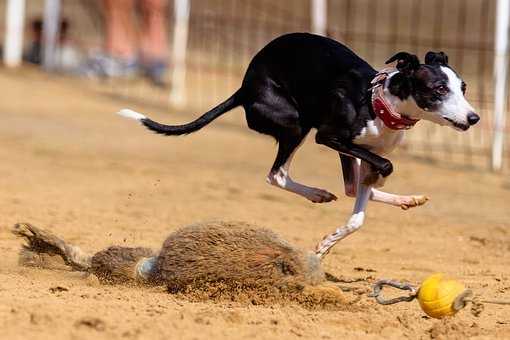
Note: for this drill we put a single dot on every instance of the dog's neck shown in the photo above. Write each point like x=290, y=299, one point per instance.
x=381, y=135
x=405, y=107
x=389, y=107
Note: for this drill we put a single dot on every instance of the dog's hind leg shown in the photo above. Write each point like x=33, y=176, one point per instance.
x=350, y=170
x=271, y=112
x=279, y=174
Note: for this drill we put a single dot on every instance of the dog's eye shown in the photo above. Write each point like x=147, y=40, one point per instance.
x=463, y=87
x=441, y=90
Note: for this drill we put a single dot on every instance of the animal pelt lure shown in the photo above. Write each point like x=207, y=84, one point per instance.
x=236, y=255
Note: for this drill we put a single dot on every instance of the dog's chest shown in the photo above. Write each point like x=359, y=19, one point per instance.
x=378, y=138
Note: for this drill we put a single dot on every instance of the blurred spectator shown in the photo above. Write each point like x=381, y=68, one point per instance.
x=34, y=53
x=130, y=48
x=67, y=57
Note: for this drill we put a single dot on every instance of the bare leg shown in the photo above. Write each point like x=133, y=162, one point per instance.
x=279, y=176
x=351, y=169
x=120, y=29
x=154, y=36
x=357, y=218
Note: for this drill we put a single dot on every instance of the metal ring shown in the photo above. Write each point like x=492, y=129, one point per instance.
x=379, y=285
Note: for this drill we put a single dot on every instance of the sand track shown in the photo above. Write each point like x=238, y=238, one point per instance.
x=69, y=164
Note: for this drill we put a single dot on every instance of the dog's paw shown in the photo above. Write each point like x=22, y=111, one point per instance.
x=320, y=196
x=413, y=201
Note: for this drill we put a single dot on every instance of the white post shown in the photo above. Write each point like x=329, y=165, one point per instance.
x=51, y=27
x=13, y=41
x=180, y=42
x=500, y=81
x=319, y=16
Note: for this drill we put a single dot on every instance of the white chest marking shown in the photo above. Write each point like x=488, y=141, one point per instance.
x=378, y=138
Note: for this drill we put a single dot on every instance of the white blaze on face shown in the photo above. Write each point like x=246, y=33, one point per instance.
x=454, y=107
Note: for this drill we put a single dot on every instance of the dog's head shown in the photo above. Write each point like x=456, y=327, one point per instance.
x=432, y=91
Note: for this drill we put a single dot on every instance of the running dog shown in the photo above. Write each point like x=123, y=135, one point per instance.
x=300, y=81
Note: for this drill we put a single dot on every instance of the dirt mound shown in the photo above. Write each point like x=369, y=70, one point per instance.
x=449, y=328
x=325, y=296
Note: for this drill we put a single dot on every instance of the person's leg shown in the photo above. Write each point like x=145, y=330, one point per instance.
x=119, y=57
x=153, y=31
x=154, y=38
x=120, y=29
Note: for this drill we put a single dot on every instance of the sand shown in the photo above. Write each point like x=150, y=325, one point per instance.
x=70, y=165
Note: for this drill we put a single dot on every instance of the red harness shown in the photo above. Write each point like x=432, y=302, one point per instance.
x=384, y=110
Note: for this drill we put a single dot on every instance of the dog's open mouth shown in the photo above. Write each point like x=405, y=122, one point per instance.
x=459, y=126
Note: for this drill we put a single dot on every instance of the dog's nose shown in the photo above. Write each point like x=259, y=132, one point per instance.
x=472, y=118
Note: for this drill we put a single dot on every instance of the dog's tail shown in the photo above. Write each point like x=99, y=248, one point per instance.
x=176, y=130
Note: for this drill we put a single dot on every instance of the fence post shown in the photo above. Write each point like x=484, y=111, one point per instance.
x=13, y=41
x=51, y=27
x=179, y=47
x=500, y=81
x=319, y=16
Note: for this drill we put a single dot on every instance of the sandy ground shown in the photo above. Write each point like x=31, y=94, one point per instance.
x=69, y=164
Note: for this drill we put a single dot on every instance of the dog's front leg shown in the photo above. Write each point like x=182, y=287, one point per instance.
x=350, y=171
x=380, y=167
x=403, y=201
x=358, y=215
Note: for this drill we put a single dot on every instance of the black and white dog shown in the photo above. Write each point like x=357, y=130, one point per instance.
x=302, y=81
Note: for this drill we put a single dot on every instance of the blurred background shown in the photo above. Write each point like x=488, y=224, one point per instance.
x=188, y=55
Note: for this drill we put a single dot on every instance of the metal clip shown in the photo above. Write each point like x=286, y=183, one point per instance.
x=378, y=286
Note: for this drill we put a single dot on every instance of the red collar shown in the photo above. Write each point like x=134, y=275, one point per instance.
x=383, y=109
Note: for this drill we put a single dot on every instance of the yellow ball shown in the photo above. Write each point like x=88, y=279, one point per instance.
x=437, y=294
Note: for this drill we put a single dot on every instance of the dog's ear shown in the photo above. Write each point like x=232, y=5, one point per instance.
x=406, y=63
x=436, y=58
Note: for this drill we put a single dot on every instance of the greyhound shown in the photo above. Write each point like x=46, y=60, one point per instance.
x=300, y=81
